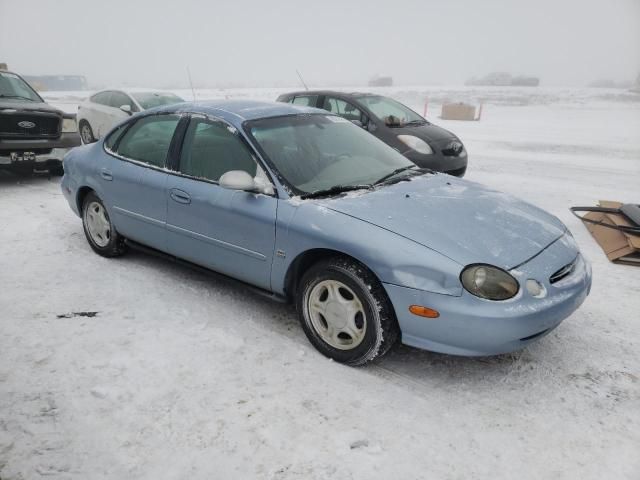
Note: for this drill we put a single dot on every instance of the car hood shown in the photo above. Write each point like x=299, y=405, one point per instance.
x=462, y=220
x=20, y=105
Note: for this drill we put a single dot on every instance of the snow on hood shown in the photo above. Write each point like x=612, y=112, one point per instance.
x=462, y=220
x=22, y=105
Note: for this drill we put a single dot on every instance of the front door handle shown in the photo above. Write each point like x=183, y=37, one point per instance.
x=106, y=174
x=180, y=196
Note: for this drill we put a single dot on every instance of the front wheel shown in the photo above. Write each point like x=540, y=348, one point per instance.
x=345, y=311
x=86, y=132
x=101, y=235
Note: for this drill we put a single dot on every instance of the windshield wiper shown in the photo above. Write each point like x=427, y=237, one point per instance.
x=2, y=95
x=394, y=173
x=414, y=122
x=335, y=190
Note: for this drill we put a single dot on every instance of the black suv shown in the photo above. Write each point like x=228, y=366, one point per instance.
x=422, y=142
x=34, y=136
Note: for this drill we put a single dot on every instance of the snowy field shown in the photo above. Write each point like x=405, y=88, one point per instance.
x=181, y=376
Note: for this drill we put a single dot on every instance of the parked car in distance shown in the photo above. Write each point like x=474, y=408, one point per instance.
x=310, y=208
x=422, y=142
x=34, y=136
x=102, y=110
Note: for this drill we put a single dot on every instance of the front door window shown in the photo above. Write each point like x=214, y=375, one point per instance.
x=211, y=149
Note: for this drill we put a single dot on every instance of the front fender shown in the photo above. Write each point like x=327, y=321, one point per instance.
x=304, y=226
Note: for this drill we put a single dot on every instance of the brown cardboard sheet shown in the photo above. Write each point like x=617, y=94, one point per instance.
x=620, y=247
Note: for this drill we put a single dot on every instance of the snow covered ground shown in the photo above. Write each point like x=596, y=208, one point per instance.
x=178, y=375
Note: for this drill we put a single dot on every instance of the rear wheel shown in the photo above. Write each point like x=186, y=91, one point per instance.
x=86, y=132
x=345, y=311
x=100, y=232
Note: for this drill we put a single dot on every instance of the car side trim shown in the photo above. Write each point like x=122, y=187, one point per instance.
x=215, y=241
x=197, y=236
x=138, y=216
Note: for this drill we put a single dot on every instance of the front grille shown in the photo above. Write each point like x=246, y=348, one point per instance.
x=563, y=272
x=45, y=125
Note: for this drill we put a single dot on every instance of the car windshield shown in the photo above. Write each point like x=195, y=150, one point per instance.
x=392, y=113
x=12, y=86
x=319, y=152
x=149, y=100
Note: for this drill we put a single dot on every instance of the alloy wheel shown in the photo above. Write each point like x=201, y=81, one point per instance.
x=85, y=133
x=98, y=224
x=336, y=314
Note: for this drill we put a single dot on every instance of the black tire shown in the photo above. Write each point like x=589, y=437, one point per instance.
x=115, y=244
x=382, y=328
x=56, y=171
x=86, y=132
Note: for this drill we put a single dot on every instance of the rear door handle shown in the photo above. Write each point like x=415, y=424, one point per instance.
x=106, y=174
x=180, y=196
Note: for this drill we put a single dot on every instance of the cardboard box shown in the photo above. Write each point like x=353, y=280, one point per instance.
x=619, y=247
x=458, y=111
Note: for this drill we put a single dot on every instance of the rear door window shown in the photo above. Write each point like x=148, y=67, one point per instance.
x=148, y=139
x=306, y=100
x=112, y=139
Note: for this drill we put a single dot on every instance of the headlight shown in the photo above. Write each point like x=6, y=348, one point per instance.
x=69, y=125
x=415, y=143
x=489, y=282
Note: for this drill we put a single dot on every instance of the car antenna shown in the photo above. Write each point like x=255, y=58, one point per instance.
x=302, y=80
x=193, y=92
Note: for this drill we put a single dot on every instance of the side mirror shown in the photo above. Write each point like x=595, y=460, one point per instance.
x=392, y=121
x=126, y=109
x=241, y=180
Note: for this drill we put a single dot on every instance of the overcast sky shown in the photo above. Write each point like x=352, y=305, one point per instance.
x=257, y=42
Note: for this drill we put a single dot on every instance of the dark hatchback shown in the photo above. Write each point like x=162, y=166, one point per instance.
x=422, y=142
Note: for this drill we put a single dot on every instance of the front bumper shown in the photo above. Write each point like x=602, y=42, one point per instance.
x=471, y=326
x=65, y=140
x=36, y=153
x=441, y=163
x=38, y=160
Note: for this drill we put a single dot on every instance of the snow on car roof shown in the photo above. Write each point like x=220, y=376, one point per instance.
x=242, y=109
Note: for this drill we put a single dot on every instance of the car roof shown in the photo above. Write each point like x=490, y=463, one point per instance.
x=331, y=92
x=129, y=91
x=238, y=111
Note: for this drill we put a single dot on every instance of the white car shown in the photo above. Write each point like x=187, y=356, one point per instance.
x=105, y=108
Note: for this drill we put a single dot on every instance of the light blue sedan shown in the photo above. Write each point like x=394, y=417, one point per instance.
x=312, y=209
